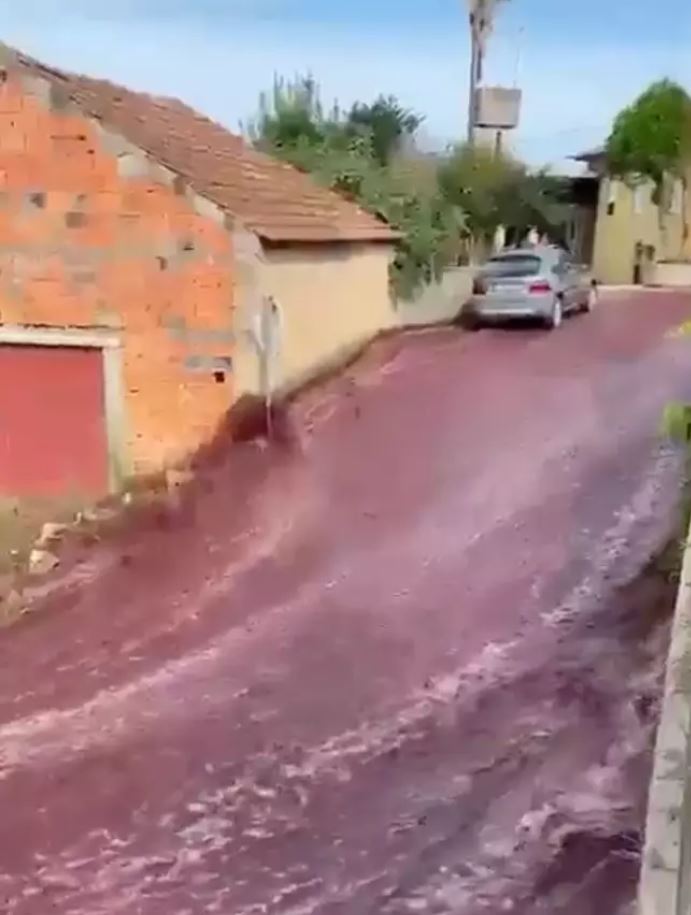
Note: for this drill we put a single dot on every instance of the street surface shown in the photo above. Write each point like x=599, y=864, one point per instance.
x=395, y=665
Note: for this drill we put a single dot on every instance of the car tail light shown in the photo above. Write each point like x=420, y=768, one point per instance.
x=541, y=287
x=479, y=286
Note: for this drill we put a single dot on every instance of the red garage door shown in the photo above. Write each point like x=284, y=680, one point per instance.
x=52, y=426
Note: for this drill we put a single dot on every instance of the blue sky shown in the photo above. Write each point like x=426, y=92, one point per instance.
x=578, y=62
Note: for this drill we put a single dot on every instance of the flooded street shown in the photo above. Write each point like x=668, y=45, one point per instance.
x=407, y=661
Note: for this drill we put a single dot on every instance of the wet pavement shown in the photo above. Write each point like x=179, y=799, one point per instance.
x=405, y=662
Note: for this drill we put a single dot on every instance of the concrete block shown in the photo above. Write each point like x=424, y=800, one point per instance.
x=50, y=532
x=680, y=659
x=75, y=219
x=41, y=562
x=8, y=56
x=38, y=88
x=669, y=796
x=84, y=277
x=672, y=274
x=176, y=324
x=132, y=165
x=166, y=246
x=160, y=174
x=59, y=97
x=247, y=244
x=208, y=364
x=107, y=317
x=207, y=209
x=674, y=729
x=658, y=893
x=204, y=336
x=113, y=143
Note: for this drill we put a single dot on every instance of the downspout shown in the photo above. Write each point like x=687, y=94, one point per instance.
x=267, y=334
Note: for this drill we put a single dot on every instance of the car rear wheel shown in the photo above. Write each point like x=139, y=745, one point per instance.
x=556, y=316
x=468, y=320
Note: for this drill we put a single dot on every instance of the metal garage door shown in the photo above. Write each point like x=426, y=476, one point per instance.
x=52, y=426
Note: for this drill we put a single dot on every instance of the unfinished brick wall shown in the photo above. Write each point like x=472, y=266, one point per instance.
x=93, y=235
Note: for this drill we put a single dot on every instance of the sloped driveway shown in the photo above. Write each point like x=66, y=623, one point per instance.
x=395, y=665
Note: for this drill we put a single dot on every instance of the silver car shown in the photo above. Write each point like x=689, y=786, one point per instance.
x=539, y=282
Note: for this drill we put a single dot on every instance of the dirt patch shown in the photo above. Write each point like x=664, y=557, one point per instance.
x=21, y=522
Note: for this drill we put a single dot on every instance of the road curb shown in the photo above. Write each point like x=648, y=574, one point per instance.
x=665, y=884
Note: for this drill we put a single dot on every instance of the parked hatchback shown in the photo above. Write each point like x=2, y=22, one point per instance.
x=540, y=282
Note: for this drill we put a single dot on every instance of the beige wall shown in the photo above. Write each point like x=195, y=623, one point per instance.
x=635, y=218
x=333, y=298
x=439, y=302
x=673, y=274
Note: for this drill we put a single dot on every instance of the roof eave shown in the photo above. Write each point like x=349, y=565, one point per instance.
x=275, y=237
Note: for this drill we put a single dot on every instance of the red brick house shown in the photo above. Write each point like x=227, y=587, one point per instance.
x=130, y=229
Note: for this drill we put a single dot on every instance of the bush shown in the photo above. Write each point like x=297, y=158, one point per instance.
x=358, y=156
x=498, y=190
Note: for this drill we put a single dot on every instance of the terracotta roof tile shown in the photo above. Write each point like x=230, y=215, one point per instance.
x=275, y=200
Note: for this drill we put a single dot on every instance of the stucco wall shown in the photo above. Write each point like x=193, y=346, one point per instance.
x=672, y=274
x=93, y=235
x=438, y=302
x=333, y=298
x=635, y=218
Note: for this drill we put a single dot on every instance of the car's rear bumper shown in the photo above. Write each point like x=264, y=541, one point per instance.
x=537, y=306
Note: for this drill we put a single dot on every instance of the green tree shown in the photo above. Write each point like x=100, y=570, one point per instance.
x=388, y=124
x=651, y=140
x=496, y=190
x=356, y=156
x=289, y=115
x=652, y=137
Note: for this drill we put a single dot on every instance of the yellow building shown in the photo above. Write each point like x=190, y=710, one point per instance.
x=632, y=233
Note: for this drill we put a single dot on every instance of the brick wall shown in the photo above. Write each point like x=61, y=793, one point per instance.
x=93, y=235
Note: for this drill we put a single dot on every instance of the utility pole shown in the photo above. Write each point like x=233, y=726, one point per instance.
x=481, y=20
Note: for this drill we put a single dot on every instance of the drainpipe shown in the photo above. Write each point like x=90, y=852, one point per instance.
x=267, y=334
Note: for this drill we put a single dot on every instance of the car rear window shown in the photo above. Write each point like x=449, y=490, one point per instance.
x=516, y=265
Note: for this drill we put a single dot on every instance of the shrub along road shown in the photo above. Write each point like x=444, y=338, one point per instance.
x=406, y=662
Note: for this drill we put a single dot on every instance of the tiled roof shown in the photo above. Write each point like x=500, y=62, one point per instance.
x=275, y=200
